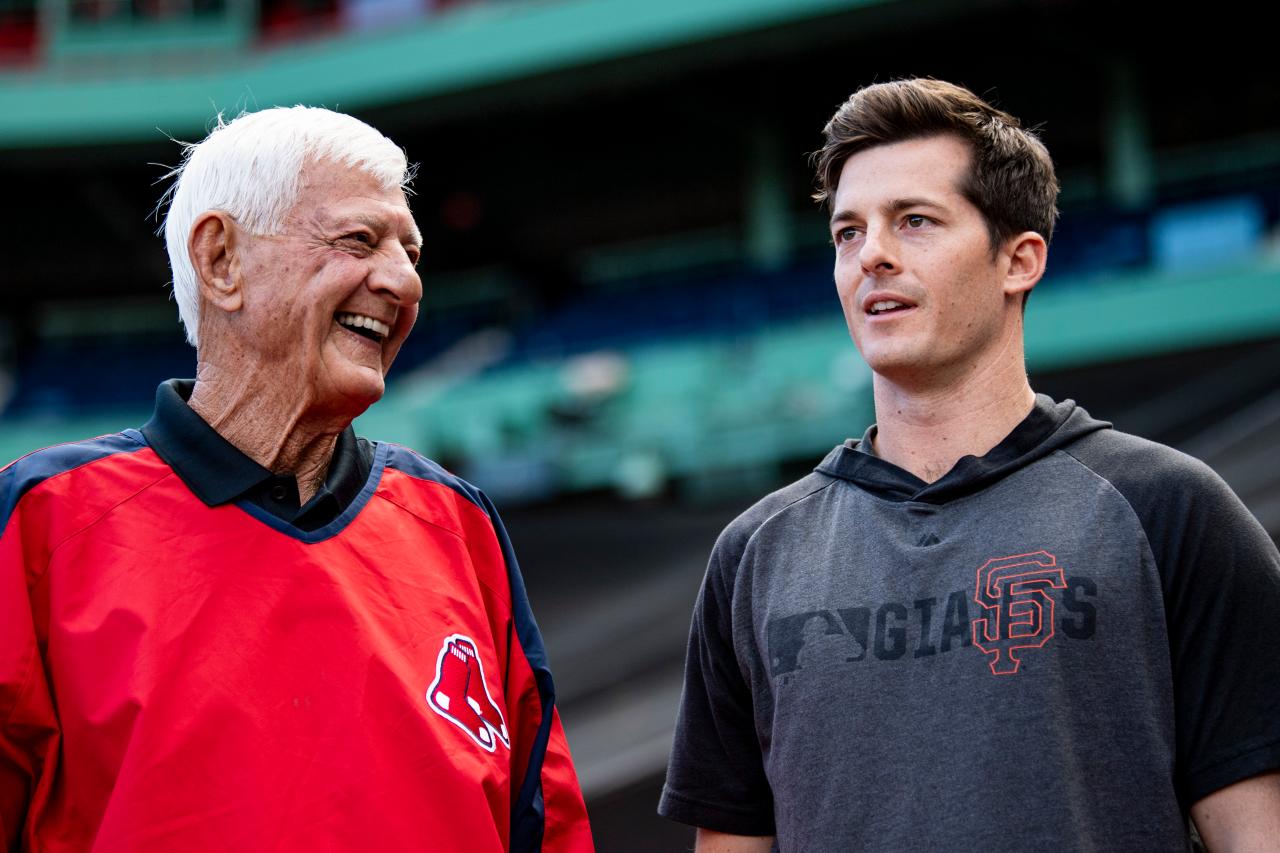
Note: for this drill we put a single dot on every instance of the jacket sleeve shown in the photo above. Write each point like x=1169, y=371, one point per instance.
x=547, y=809
x=28, y=726
x=566, y=823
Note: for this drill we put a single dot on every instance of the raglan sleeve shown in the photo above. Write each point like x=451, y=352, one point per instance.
x=28, y=726
x=1223, y=602
x=715, y=777
x=548, y=812
x=1220, y=574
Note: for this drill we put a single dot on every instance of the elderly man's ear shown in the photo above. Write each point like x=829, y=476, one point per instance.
x=215, y=239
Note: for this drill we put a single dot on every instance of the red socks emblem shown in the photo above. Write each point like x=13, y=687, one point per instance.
x=460, y=695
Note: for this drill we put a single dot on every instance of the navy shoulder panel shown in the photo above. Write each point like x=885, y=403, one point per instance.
x=24, y=474
x=420, y=467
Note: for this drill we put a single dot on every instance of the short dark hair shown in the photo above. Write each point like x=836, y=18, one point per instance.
x=1011, y=179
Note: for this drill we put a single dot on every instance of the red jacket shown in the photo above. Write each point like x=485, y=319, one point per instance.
x=177, y=676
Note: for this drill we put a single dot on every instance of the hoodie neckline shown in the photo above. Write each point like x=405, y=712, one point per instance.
x=1049, y=426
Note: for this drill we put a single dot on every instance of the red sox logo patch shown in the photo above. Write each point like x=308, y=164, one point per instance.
x=1014, y=595
x=460, y=695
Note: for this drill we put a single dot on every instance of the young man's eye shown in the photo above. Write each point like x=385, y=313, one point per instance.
x=844, y=235
x=916, y=221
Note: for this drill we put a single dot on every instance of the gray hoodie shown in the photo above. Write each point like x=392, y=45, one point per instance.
x=1065, y=642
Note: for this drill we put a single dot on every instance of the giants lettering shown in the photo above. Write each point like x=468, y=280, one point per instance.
x=1013, y=592
x=925, y=628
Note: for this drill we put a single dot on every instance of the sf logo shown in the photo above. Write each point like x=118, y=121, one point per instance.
x=1017, y=607
x=460, y=695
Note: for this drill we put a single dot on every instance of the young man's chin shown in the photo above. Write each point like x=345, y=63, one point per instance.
x=891, y=362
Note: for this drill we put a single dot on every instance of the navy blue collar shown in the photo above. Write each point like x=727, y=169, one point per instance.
x=217, y=472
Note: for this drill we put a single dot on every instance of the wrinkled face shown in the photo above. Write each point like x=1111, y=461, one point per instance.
x=921, y=292
x=330, y=300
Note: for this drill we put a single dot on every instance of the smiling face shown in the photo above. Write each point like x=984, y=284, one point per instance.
x=329, y=301
x=923, y=294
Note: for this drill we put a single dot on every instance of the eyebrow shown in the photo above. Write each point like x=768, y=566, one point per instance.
x=415, y=236
x=377, y=223
x=896, y=205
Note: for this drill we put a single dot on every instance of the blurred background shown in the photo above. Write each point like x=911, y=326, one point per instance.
x=630, y=331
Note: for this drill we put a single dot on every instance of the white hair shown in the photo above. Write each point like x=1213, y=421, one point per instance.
x=251, y=167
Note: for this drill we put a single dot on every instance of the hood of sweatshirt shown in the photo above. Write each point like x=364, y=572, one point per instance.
x=1047, y=428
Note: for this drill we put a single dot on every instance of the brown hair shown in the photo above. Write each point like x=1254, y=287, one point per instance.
x=1011, y=179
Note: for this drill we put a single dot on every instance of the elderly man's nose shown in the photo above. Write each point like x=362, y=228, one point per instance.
x=396, y=276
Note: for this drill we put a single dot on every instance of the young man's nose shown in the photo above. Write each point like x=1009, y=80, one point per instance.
x=878, y=253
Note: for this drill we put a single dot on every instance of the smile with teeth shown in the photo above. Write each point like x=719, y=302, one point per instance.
x=363, y=325
x=886, y=305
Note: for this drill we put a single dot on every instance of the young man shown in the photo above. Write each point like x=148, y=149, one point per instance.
x=992, y=623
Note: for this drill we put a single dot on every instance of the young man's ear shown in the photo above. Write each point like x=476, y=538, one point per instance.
x=1028, y=254
x=212, y=247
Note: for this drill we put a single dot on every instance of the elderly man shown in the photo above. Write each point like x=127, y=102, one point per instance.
x=241, y=627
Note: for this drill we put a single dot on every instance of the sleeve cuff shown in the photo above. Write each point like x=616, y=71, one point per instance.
x=737, y=819
x=1202, y=783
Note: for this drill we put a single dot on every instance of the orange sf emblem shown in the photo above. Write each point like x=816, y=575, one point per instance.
x=1018, y=608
